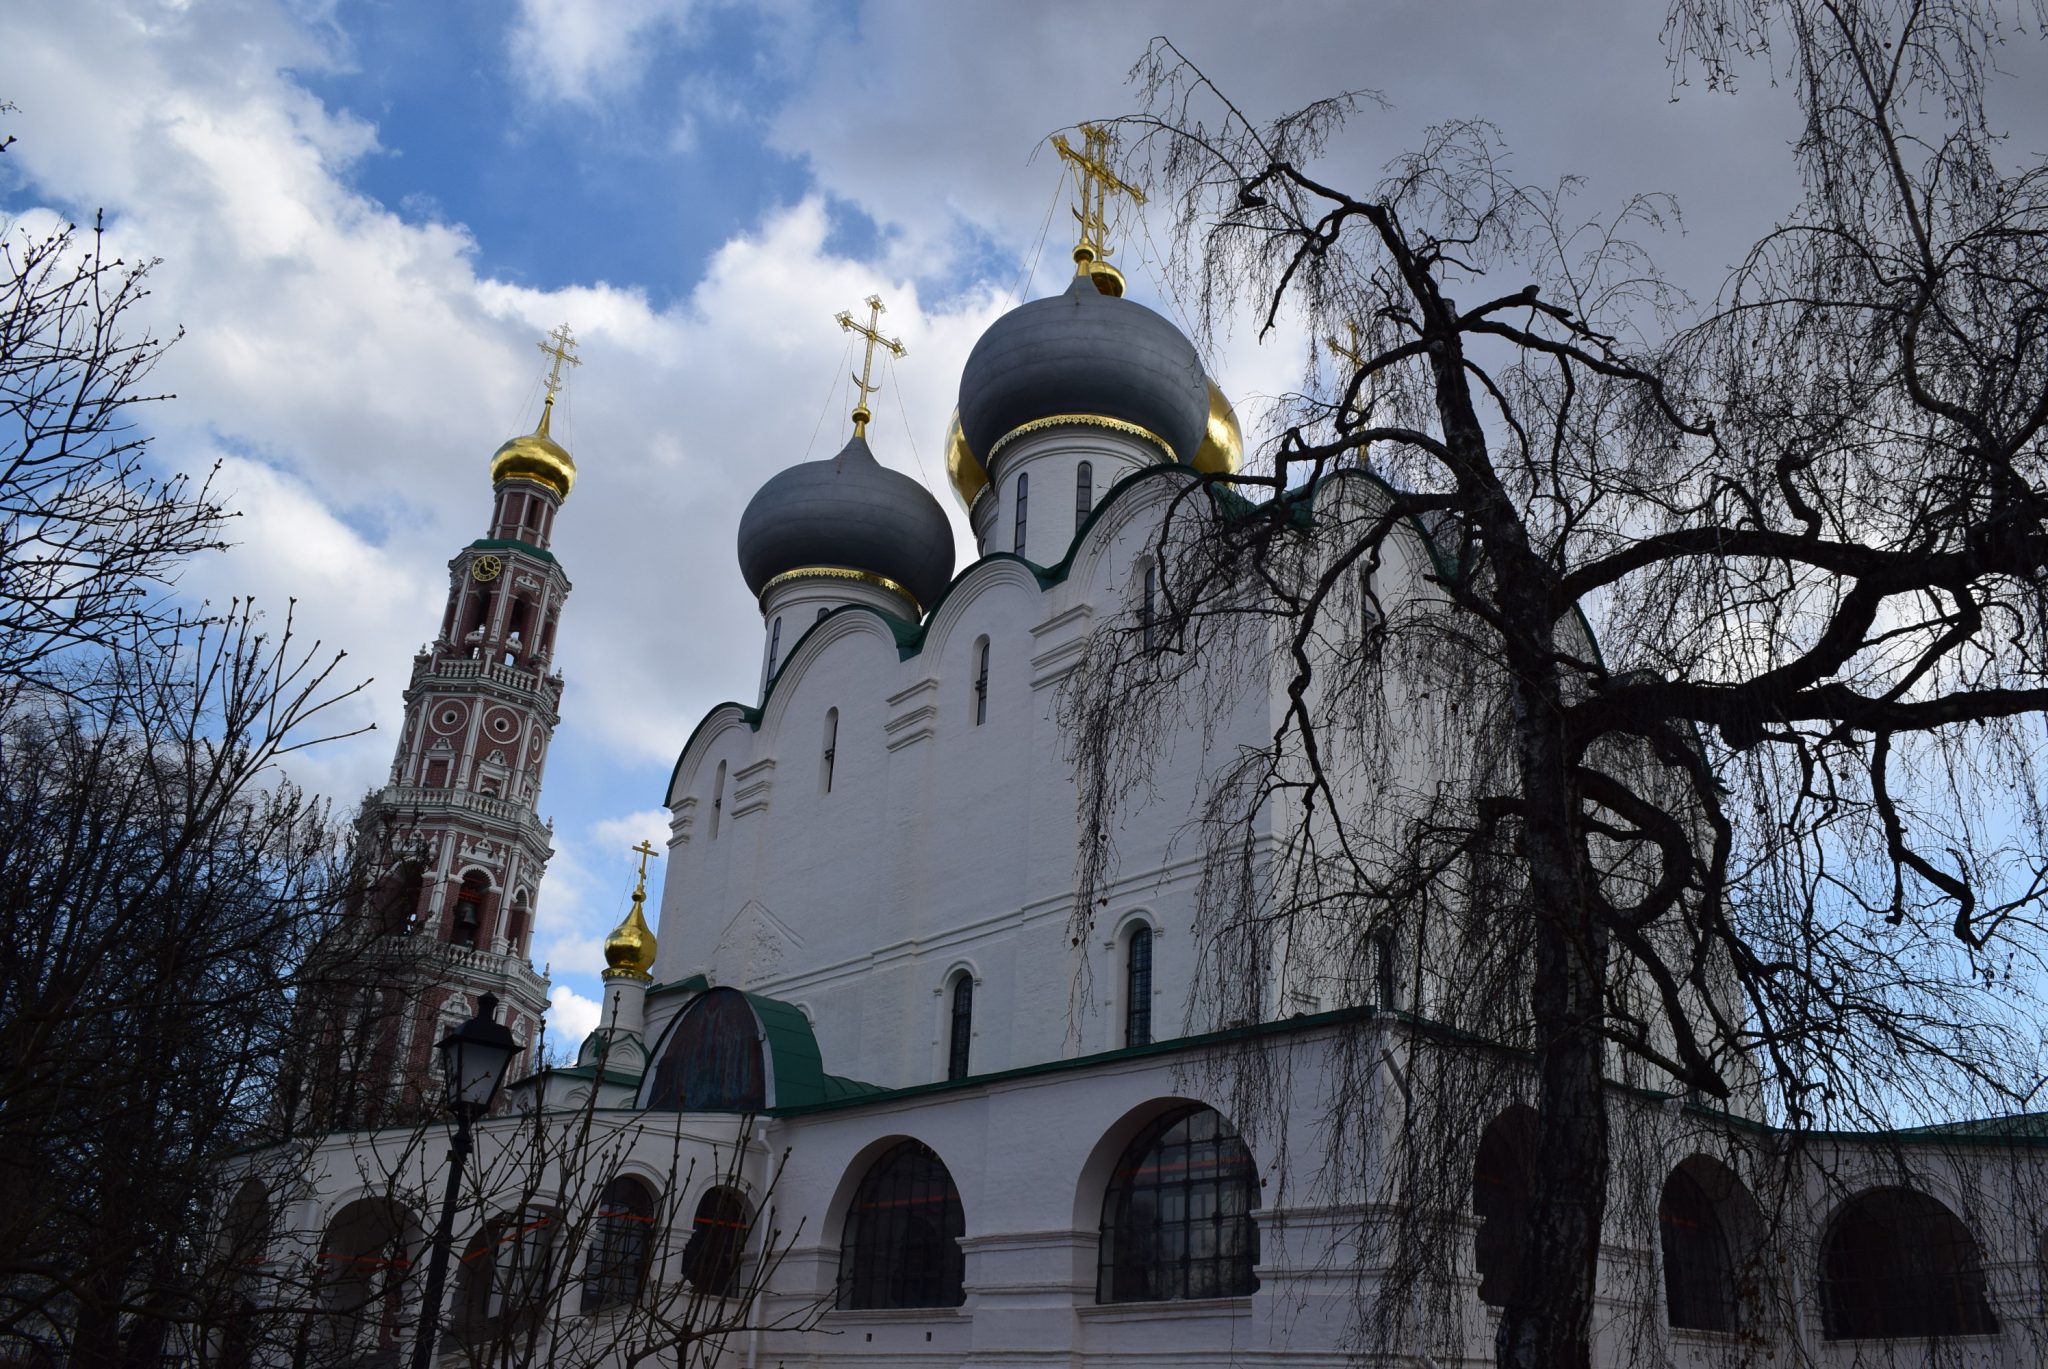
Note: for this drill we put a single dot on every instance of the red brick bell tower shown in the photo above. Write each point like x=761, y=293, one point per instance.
x=454, y=847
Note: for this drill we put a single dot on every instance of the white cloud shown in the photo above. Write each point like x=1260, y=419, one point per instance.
x=571, y=1017
x=576, y=50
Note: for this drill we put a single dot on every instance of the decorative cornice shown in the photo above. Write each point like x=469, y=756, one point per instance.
x=865, y=577
x=1115, y=425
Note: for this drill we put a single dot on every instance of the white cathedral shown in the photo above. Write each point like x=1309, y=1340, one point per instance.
x=863, y=1097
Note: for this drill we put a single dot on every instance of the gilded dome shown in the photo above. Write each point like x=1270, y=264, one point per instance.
x=629, y=950
x=537, y=457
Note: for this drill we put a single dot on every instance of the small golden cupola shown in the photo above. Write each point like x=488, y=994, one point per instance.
x=629, y=950
x=537, y=456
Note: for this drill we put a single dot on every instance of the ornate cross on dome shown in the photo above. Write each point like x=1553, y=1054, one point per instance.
x=644, y=850
x=1097, y=181
x=1353, y=353
x=861, y=412
x=561, y=345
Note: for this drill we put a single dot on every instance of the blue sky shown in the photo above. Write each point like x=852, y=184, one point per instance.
x=369, y=210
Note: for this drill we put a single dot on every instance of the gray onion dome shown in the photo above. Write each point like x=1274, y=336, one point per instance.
x=1084, y=352
x=848, y=512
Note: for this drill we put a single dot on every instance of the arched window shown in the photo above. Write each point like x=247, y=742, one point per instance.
x=712, y=1060
x=621, y=1239
x=717, y=798
x=245, y=1235
x=901, y=1247
x=1147, y=607
x=1500, y=1200
x=831, y=746
x=774, y=648
x=981, y=682
x=1138, y=987
x=1084, y=493
x=506, y=1276
x=1897, y=1263
x=1385, y=963
x=961, y=1036
x=718, y=1238
x=1177, y=1219
x=1023, y=501
x=470, y=909
x=366, y=1293
x=1699, y=1259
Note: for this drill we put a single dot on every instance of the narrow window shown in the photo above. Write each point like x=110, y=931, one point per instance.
x=1084, y=493
x=774, y=645
x=1138, y=988
x=717, y=798
x=1023, y=502
x=963, y=1027
x=1383, y=954
x=831, y=744
x=718, y=1238
x=1145, y=612
x=823, y=609
x=981, y=683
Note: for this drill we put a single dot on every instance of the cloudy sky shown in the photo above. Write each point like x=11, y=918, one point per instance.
x=368, y=211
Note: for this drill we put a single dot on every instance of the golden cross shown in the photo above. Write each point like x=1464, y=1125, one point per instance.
x=644, y=850
x=1352, y=353
x=1093, y=174
x=561, y=345
x=861, y=412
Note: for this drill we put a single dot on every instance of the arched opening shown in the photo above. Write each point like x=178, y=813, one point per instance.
x=718, y=1240
x=1500, y=1200
x=1023, y=501
x=717, y=798
x=980, y=681
x=960, y=1026
x=1706, y=1223
x=1084, y=494
x=712, y=1060
x=1177, y=1216
x=471, y=918
x=621, y=1241
x=505, y=1277
x=901, y=1243
x=831, y=756
x=515, y=925
x=1138, y=986
x=1897, y=1263
x=365, y=1297
x=1148, y=603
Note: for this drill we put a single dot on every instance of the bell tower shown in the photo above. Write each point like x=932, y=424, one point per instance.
x=453, y=846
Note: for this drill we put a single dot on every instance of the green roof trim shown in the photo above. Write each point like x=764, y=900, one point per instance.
x=512, y=544
x=796, y=1067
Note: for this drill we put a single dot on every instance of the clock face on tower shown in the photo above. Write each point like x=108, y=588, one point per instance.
x=486, y=568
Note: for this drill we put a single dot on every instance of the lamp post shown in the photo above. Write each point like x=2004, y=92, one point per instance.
x=474, y=1057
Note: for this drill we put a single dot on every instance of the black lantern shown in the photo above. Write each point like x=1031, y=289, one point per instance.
x=474, y=1058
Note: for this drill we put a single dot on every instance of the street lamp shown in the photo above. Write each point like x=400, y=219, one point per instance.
x=474, y=1057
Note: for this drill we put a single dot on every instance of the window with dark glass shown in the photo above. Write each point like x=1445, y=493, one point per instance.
x=962, y=1034
x=621, y=1238
x=1084, y=493
x=1177, y=1219
x=1138, y=988
x=1385, y=954
x=1899, y=1264
x=1145, y=609
x=981, y=684
x=901, y=1247
x=717, y=798
x=711, y=1061
x=1023, y=500
x=831, y=745
x=1500, y=1200
x=718, y=1238
x=504, y=1281
x=774, y=644
x=1699, y=1263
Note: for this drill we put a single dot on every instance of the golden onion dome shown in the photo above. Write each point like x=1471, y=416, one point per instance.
x=537, y=457
x=1221, y=452
x=629, y=950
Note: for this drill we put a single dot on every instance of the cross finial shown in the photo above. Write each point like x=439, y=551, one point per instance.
x=861, y=412
x=561, y=345
x=644, y=850
x=1353, y=354
x=1097, y=181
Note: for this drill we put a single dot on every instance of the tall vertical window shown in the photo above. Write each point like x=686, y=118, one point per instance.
x=831, y=744
x=963, y=1027
x=981, y=682
x=901, y=1247
x=718, y=1238
x=1385, y=951
x=620, y=1241
x=1145, y=609
x=774, y=644
x=1023, y=502
x=1138, y=988
x=717, y=798
x=1177, y=1219
x=1084, y=493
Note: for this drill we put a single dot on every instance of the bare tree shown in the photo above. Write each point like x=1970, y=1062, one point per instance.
x=1677, y=675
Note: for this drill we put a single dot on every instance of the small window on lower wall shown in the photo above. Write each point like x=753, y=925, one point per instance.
x=621, y=1239
x=1699, y=1261
x=1177, y=1219
x=718, y=1238
x=1500, y=1200
x=901, y=1246
x=1896, y=1265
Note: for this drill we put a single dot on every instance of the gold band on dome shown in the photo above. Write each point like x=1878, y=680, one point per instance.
x=1115, y=425
x=842, y=573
